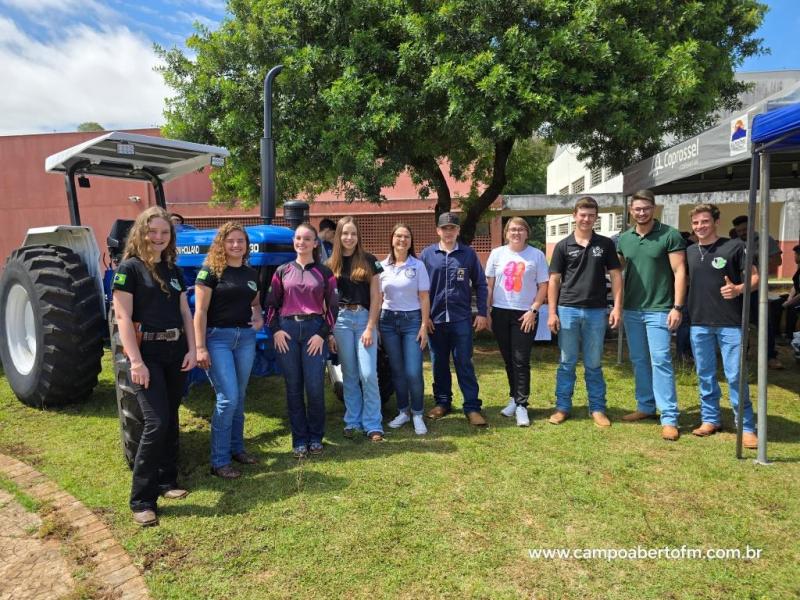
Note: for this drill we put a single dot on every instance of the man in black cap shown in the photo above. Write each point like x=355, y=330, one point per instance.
x=454, y=271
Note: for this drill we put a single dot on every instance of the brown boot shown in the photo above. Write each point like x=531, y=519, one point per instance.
x=600, y=419
x=476, y=419
x=145, y=518
x=558, y=417
x=750, y=440
x=670, y=433
x=438, y=411
x=706, y=429
x=638, y=416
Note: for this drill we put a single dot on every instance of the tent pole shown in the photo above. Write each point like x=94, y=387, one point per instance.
x=755, y=167
x=621, y=326
x=763, y=307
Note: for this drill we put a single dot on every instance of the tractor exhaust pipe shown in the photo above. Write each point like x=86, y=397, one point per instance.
x=268, y=152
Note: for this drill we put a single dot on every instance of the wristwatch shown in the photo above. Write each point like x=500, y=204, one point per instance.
x=533, y=310
x=678, y=307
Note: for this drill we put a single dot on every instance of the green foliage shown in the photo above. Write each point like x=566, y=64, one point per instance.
x=373, y=87
x=90, y=126
x=527, y=167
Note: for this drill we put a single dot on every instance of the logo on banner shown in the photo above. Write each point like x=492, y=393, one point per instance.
x=739, y=135
x=678, y=158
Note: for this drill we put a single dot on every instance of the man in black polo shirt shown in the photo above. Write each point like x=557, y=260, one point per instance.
x=716, y=266
x=577, y=288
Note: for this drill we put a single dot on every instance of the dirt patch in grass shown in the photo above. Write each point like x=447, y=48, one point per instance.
x=22, y=452
x=168, y=555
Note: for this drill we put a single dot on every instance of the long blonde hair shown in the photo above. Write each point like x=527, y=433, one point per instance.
x=138, y=246
x=216, y=260
x=359, y=267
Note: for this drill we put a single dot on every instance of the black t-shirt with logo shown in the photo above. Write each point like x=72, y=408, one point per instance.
x=708, y=266
x=233, y=295
x=583, y=270
x=154, y=309
x=356, y=292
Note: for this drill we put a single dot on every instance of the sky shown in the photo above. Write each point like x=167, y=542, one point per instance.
x=64, y=62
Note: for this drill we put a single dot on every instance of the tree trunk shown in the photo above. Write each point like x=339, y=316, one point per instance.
x=443, y=198
x=472, y=213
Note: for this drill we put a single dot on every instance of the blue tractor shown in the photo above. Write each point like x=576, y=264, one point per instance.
x=55, y=296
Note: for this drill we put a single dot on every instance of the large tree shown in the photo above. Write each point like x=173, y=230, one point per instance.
x=373, y=87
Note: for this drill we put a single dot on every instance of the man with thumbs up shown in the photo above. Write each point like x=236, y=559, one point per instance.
x=716, y=276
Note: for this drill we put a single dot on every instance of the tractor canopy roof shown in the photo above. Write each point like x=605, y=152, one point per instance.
x=135, y=156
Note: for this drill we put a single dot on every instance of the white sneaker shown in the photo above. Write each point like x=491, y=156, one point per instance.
x=419, y=425
x=509, y=410
x=522, y=416
x=399, y=420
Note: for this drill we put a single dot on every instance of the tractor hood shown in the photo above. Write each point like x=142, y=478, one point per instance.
x=269, y=245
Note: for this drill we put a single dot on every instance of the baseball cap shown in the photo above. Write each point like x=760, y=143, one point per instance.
x=448, y=218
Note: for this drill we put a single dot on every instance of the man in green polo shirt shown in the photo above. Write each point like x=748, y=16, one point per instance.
x=655, y=290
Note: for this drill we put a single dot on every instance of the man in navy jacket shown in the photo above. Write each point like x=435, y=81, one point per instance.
x=454, y=271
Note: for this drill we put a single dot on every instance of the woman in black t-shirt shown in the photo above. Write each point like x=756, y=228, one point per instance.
x=151, y=310
x=226, y=318
x=355, y=336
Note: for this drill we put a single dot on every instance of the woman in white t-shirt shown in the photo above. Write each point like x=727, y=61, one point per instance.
x=403, y=325
x=517, y=275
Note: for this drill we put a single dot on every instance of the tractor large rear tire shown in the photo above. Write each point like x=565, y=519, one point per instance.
x=51, y=326
x=131, y=421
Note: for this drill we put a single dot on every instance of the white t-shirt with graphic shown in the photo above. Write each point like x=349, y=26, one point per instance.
x=401, y=284
x=517, y=276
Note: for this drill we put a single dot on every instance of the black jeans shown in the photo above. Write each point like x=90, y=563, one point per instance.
x=771, y=351
x=155, y=468
x=515, y=346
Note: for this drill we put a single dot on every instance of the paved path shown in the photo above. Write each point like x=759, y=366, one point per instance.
x=31, y=567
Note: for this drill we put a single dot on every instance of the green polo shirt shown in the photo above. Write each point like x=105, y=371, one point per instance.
x=649, y=281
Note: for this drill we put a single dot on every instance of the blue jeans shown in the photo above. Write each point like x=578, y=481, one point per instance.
x=232, y=351
x=581, y=329
x=399, y=330
x=649, y=347
x=301, y=370
x=362, y=399
x=454, y=338
x=704, y=346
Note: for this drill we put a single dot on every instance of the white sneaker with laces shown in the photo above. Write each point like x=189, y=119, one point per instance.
x=399, y=420
x=509, y=410
x=419, y=425
x=522, y=416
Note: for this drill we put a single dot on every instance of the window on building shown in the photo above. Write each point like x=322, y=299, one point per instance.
x=596, y=176
x=620, y=221
x=578, y=185
x=563, y=228
x=564, y=190
x=552, y=229
x=610, y=174
x=598, y=225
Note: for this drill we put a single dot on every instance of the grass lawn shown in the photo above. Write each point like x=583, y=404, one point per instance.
x=452, y=514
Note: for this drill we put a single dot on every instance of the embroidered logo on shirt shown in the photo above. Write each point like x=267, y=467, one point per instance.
x=573, y=253
x=119, y=278
x=719, y=263
x=513, y=273
x=175, y=283
x=461, y=274
x=252, y=285
x=597, y=251
x=410, y=272
x=202, y=275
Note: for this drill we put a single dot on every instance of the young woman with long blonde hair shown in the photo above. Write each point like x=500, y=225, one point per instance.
x=151, y=309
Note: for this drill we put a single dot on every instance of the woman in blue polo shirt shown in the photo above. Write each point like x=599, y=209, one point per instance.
x=226, y=318
x=403, y=325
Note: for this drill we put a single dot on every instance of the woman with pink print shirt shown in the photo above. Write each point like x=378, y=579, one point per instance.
x=517, y=276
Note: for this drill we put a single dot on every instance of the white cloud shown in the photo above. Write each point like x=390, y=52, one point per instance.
x=104, y=75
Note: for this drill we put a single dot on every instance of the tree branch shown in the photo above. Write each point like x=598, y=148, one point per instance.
x=502, y=151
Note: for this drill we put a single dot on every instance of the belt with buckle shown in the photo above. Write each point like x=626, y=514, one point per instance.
x=351, y=306
x=170, y=335
x=305, y=317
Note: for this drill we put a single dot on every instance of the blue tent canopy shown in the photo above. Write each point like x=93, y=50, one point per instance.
x=781, y=126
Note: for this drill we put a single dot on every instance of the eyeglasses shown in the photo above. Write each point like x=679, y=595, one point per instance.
x=643, y=209
x=517, y=230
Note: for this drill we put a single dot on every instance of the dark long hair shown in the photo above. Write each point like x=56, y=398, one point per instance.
x=411, y=252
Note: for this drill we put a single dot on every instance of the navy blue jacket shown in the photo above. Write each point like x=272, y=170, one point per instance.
x=453, y=277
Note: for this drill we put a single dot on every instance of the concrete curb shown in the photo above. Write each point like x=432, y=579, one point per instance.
x=113, y=567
